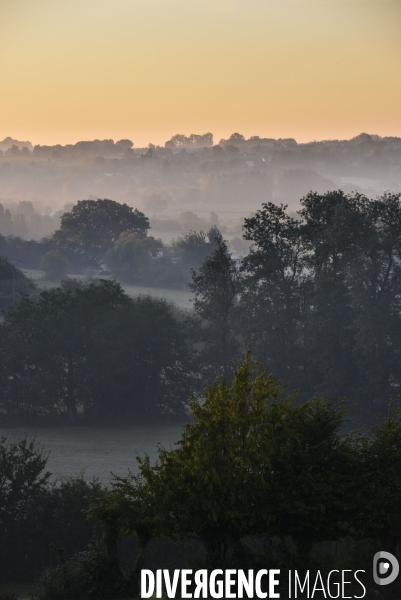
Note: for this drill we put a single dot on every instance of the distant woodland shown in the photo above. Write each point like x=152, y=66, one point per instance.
x=180, y=184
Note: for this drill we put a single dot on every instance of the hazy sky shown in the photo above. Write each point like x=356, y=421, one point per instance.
x=147, y=69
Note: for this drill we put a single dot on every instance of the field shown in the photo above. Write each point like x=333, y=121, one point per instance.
x=99, y=451
x=181, y=298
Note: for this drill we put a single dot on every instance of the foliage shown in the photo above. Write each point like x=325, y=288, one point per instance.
x=132, y=506
x=54, y=265
x=143, y=363
x=91, y=346
x=381, y=467
x=182, y=141
x=273, y=288
x=28, y=252
x=322, y=295
x=52, y=340
x=193, y=247
x=92, y=226
x=216, y=287
x=38, y=516
x=131, y=258
x=252, y=463
x=209, y=485
x=312, y=484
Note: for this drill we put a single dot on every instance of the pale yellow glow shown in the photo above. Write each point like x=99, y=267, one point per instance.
x=147, y=69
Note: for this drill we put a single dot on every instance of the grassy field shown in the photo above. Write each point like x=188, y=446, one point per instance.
x=99, y=451
x=181, y=298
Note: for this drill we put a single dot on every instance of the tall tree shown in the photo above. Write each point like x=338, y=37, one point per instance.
x=375, y=283
x=274, y=288
x=322, y=295
x=333, y=225
x=216, y=286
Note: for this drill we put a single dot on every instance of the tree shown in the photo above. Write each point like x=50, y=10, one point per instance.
x=333, y=224
x=321, y=299
x=90, y=346
x=46, y=515
x=181, y=141
x=209, y=485
x=131, y=507
x=52, y=336
x=381, y=467
x=274, y=284
x=23, y=488
x=92, y=226
x=125, y=144
x=216, y=286
x=312, y=477
x=6, y=222
x=54, y=265
x=236, y=137
x=143, y=366
x=13, y=283
x=375, y=283
x=193, y=247
x=252, y=463
x=131, y=257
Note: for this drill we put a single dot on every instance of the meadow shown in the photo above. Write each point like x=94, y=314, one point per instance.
x=99, y=451
x=181, y=298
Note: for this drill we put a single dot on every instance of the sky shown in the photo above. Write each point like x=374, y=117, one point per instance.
x=148, y=69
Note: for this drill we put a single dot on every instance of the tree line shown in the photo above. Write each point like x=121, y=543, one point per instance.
x=317, y=298
x=92, y=349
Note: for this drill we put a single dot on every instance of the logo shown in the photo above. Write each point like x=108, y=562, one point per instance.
x=385, y=568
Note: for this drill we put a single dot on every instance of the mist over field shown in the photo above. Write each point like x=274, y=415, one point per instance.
x=190, y=183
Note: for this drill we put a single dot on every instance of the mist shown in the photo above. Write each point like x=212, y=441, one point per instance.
x=191, y=183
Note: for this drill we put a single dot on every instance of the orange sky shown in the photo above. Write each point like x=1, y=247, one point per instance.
x=147, y=69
